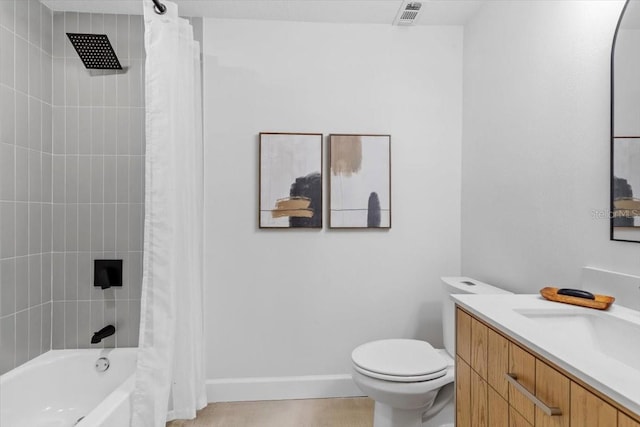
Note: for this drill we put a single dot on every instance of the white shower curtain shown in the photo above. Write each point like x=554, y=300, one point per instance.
x=170, y=372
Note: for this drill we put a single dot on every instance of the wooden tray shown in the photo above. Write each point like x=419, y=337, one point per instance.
x=602, y=302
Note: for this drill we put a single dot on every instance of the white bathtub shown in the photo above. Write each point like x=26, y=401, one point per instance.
x=59, y=387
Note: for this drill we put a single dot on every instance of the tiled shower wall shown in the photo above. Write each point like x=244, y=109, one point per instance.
x=98, y=176
x=25, y=181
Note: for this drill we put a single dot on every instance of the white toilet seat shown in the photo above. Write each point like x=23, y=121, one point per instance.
x=399, y=360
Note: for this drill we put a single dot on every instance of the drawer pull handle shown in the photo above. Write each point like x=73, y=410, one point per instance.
x=513, y=380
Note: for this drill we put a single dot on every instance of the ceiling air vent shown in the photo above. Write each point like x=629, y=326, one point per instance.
x=408, y=13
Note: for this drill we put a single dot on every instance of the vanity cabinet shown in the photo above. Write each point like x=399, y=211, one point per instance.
x=501, y=383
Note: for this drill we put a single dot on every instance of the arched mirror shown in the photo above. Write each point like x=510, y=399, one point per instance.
x=625, y=126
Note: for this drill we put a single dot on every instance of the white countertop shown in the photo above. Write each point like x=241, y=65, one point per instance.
x=604, y=373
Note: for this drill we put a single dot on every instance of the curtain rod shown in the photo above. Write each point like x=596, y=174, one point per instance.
x=159, y=7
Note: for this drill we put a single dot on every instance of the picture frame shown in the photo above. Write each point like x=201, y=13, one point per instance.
x=359, y=181
x=290, y=180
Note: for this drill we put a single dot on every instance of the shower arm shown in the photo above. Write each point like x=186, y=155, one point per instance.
x=159, y=7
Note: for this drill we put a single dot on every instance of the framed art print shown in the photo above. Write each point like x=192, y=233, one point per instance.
x=360, y=181
x=290, y=180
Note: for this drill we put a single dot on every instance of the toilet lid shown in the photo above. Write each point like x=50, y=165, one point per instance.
x=400, y=358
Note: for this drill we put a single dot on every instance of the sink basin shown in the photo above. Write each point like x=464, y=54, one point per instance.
x=591, y=332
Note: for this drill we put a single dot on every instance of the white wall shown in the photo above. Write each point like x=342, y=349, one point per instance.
x=536, y=144
x=296, y=302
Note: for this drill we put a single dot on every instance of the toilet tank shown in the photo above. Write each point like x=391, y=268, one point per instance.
x=459, y=285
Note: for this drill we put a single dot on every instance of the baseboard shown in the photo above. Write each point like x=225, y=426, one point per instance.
x=280, y=388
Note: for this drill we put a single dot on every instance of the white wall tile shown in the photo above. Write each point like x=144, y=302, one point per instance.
x=84, y=179
x=35, y=70
x=84, y=130
x=35, y=279
x=35, y=176
x=71, y=324
x=110, y=227
x=97, y=23
x=7, y=115
x=7, y=342
x=22, y=18
x=46, y=15
x=85, y=281
x=47, y=175
x=46, y=327
x=22, y=228
x=35, y=124
x=84, y=324
x=47, y=232
x=22, y=283
x=7, y=287
x=59, y=37
x=35, y=228
x=7, y=172
x=47, y=128
x=71, y=276
x=21, y=71
x=46, y=276
x=35, y=23
x=59, y=125
x=71, y=228
x=58, y=227
x=70, y=26
x=71, y=179
x=122, y=136
x=46, y=77
x=7, y=14
x=97, y=227
x=110, y=179
x=122, y=227
x=71, y=130
x=57, y=276
x=122, y=179
x=22, y=337
x=22, y=120
x=6, y=47
x=122, y=38
x=84, y=224
x=58, y=325
x=35, y=331
x=7, y=229
x=22, y=174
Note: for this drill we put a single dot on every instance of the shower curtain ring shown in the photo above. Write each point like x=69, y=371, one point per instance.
x=159, y=7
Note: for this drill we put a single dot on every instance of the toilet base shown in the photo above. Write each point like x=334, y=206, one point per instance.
x=386, y=416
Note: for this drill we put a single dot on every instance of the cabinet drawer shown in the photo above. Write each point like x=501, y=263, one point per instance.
x=479, y=411
x=588, y=410
x=523, y=365
x=517, y=420
x=463, y=335
x=625, y=421
x=498, y=409
x=463, y=393
x=498, y=362
x=552, y=388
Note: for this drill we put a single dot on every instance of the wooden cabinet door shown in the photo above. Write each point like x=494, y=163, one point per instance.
x=498, y=409
x=552, y=388
x=463, y=393
x=479, y=410
x=479, y=334
x=498, y=362
x=517, y=420
x=588, y=410
x=463, y=335
x=523, y=365
x=625, y=421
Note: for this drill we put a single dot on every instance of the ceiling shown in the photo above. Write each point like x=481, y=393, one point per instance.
x=434, y=12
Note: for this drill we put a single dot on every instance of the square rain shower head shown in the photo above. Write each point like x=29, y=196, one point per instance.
x=95, y=51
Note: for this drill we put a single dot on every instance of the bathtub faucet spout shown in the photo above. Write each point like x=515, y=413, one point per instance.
x=107, y=331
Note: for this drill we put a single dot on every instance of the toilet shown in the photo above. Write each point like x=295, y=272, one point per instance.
x=410, y=381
